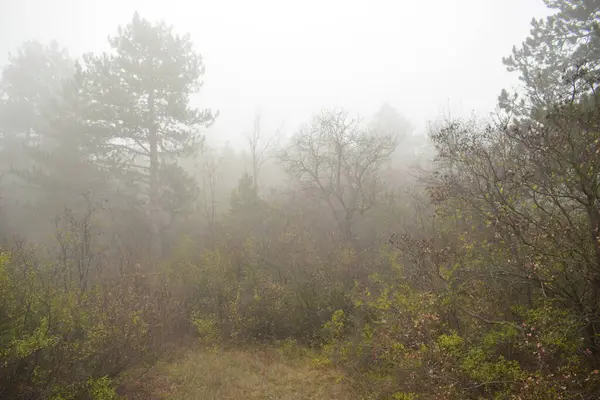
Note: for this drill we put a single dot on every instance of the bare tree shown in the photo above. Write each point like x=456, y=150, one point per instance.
x=260, y=146
x=340, y=161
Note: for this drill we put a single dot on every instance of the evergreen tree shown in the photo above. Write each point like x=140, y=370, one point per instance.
x=30, y=84
x=139, y=113
x=42, y=151
x=560, y=49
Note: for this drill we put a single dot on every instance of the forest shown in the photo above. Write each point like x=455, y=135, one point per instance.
x=352, y=258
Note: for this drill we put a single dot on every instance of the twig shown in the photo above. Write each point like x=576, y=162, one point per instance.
x=489, y=321
x=488, y=383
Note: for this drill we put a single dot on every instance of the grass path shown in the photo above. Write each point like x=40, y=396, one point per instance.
x=237, y=374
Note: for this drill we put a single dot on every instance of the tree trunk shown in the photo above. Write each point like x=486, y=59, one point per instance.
x=156, y=244
x=347, y=229
x=255, y=171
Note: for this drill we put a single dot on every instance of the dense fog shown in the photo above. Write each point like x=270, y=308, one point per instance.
x=393, y=200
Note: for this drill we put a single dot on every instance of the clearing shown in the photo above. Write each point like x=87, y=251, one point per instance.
x=232, y=374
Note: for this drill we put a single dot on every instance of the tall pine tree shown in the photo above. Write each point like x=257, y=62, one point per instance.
x=43, y=166
x=139, y=116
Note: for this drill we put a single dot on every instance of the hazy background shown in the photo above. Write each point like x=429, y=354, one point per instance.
x=345, y=261
x=290, y=59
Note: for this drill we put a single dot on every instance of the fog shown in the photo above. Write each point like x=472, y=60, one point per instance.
x=384, y=200
x=290, y=59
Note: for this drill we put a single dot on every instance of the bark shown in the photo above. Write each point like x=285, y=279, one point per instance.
x=156, y=245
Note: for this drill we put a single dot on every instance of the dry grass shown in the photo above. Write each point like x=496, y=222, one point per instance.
x=239, y=374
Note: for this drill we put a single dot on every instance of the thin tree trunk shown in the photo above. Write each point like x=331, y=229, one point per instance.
x=154, y=182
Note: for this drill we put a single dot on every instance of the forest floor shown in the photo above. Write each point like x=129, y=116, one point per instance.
x=232, y=374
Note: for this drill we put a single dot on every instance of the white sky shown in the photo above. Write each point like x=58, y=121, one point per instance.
x=289, y=59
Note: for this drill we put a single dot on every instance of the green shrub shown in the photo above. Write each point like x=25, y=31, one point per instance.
x=62, y=340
